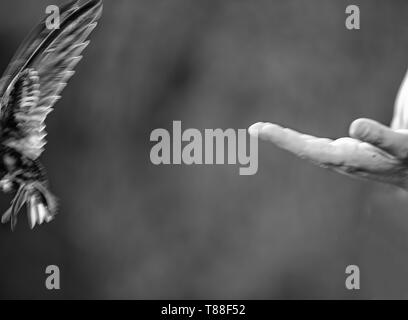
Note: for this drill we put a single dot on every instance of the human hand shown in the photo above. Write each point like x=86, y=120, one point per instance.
x=373, y=151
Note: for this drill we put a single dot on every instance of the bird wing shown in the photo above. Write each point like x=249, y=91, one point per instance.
x=39, y=72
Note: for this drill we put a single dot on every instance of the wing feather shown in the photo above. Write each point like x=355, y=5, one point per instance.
x=40, y=72
x=30, y=45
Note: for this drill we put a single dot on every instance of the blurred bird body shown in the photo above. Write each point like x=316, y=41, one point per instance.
x=29, y=88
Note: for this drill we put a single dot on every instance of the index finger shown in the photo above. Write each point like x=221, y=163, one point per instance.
x=315, y=149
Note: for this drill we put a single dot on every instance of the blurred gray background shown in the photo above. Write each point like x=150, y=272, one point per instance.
x=129, y=229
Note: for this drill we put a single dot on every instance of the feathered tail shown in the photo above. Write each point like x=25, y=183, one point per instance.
x=41, y=204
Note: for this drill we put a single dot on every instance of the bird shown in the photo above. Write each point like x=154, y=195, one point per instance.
x=29, y=88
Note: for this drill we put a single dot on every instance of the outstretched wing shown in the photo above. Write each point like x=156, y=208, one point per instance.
x=38, y=73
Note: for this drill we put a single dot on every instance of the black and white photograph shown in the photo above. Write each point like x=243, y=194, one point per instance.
x=203, y=150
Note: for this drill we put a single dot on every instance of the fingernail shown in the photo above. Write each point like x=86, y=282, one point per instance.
x=254, y=129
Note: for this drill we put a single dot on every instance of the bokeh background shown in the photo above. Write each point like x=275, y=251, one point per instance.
x=129, y=229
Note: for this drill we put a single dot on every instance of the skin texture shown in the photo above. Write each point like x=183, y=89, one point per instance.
x=372, y=151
